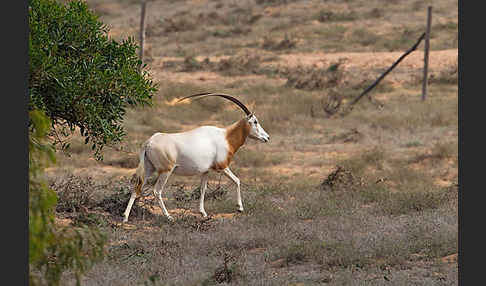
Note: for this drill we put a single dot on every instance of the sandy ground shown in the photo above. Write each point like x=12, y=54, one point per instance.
x=369, y=62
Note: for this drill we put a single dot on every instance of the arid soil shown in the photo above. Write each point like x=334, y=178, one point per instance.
x=394, y=222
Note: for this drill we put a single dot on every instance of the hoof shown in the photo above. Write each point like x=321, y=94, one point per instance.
x=240, y=210
x=203, y=213
x=169, y=218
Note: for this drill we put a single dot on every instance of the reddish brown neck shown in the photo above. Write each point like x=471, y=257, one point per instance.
x=236, y=134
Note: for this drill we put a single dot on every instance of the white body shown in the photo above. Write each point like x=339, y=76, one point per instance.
x=194, y=152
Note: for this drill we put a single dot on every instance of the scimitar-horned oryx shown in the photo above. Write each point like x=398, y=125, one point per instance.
x=195, y=152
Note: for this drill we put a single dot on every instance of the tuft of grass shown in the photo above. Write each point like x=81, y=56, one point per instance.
x=365, y=37
x=325, y=15
x=77, y=147
x=413, y=201
x=251, y=158
x=376, y=13
x=274, y=2
x=413, y=115
x=90, y=219
x=353, y=136
x=128, y=161
x=231, y=32
x=332, y=33
x=401, y=41
x=270, y=44
x=440, y=151
x=373, y=158
x=179, y=24
x=240, y=64
x=192, y=64
x=446, y=76
x=327, y=253
x=444, y=150
x=414, y=143
x=297, y=253
x=311, y=78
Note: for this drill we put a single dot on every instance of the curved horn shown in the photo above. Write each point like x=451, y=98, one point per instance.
x=228, y=97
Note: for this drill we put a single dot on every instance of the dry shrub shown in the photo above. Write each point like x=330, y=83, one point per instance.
x=250, y=158
x=276, y=45
x=312, y=78
x=341, y=179
x=274, y=2
x=330, y=16
x=440, y=151
x=446, y=76
x=404, y=190
x=116, y=203
x=413, y=201
x=351, y=136
x=212, y=193
x=376, y=13
x=77, y=146
x=213, y=18
x=365, y=37
x=231, y=32
x=127, y=161
x=393, y=187
x=192, y=64
x=228, y=272
x=329, y=254
x=180, y=24
x=298, y=253
x=74, y=194
x=194, y=223
x=401, y=41
x=369, y=159
x=240, y=64
x=90, y=218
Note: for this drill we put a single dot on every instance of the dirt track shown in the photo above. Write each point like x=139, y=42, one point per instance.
x=367, y=62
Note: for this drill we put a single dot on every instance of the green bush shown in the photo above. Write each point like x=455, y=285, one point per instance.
x=79, y=77
x=53, y=250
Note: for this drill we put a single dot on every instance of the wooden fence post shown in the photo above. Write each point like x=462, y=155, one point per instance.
x=426, y=53
x=142, y=31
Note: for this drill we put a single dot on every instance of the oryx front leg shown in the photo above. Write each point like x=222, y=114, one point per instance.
x=204, y=184
x=159, y=187
x=235, y=179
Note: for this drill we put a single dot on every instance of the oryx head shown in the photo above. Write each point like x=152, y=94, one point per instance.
x=256, y=130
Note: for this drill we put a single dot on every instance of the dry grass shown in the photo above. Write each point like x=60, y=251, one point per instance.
x=327, y=231
x=365, y=199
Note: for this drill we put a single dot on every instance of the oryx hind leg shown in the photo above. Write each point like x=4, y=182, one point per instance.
x=204, y=184
x=137, y=191
x=159, y=187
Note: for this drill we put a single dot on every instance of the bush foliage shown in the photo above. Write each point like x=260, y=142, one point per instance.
x=79, y=77
x=52, y=250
